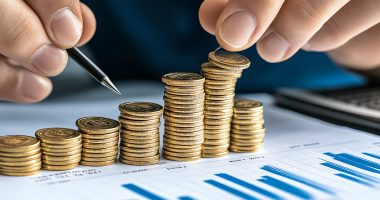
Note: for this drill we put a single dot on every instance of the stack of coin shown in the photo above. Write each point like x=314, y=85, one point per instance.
x=100, y=140
x=19, y=155
x=140, y=136
x=248, y=131
x=221, y=73
x=183, y=114
x=61, y=148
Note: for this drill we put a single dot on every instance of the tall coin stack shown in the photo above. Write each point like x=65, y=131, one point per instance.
x=248, y=131
x=61, y=148
x=183, y=114
x=19, y=155
x=140, y=136
x=221, y=73
x=100, y=140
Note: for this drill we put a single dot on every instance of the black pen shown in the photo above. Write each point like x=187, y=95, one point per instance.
x=92, y=69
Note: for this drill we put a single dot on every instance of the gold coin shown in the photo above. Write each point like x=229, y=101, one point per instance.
x=61, y=150
x=125, y=121
x=185, y=134
x=171, y=93
x=176, y=146
x=96, y=163
x=183, y=79
x=248, y=132
x=139, y=155
x=219, y=102
x=182, y=125
x=185, y=97
x=139, y=163
x=100, y=136
x=247, y=137
x=59, y=167
x=247, y=144
x=138, y=150
x=209, y=67
x=132, y=141
x=99, y=145
x=216, y=132
x=182, y=154
x=141, y=127
x=140, y=118
x=141, y=159
x=214, y=155
x=183, y=119
x=235, y=148
x=180, y=150
x=183, y=89
x=217, y=136
x=141, y=108
x=228, y=60
x=60, y=163
x=184, y=102
x=27, y=168
x=18, y=159
x=184, y=138
x=183, y=114
x=147, y=137
x=20, y=163
x=140, y=133
x=220, y=87
x=217, y=122
x=247, y=121
x=249, y=116
x=100, y=150
x=97, y=141
x=218, y=117
x=183, y=129
x=155, y=144
x=180, y=159
x=246, y=141
x=221, y=107
x=20, y=173
x=220, y=76
x=216, y=141
x=219, y=97
x=248, y=127
x=185, y=106
x=215, y=147
x=67, y=153
x=18, y=143
x=226, y=112
x=62, y=146
x=99, y=159
x=217, y=127
x=20, y=154
x=220, y=82
x=183, y=110
x=58, y=135
x=100, y=155
x=97, y=125
x=183, y=142
x=214, y=151
x=247, y=106
x=61, y=158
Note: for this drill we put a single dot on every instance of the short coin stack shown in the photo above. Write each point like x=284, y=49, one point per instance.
x=61, y=148
x=140, y=136
x=184, y=106
x=19, y=155
x=248, y=131
x=221, y=73
x=100, y=140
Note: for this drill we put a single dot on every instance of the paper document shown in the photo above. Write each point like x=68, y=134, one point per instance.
x=303, y=158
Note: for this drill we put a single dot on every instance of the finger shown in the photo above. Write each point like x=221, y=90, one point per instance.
x=89, y=25
x=23, y=39
x=295, y=24
x=243, y=22
x=351, y=20
x=360, y=53
x=20, y=85
x=209, y=12
x=62, y=20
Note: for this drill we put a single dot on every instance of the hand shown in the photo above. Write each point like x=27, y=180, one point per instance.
x=33, y=36
x=349, y=31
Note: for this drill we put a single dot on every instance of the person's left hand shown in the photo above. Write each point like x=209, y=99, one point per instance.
x=348, y=30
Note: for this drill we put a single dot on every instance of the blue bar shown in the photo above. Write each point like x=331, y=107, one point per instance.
x=349, y=171
x=285, y=187
x=372, y=155
x=351, y=178
x=142, y=192
x=231, y=190
x=356, y=162
x=186, y=198
x=248, y=186
x=297, y=178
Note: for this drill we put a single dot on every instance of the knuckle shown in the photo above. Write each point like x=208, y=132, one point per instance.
x=306, y=12
x=20, y=25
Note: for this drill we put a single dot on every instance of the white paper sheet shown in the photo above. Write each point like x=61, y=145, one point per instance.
x=302, y=158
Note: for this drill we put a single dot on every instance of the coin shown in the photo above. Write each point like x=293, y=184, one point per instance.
x=182, y=142
x=141, y=159
x=181, y=159
x=96, y=163
x=134, y=117
x=139, y=122
x=28, y=168
x=138, y=150
x=144, y=141
x=183, y=79
x=58, y=135
x=97, y=125
x=155, y=144
x=252, y=148
x=141, y=108
x=18, y=143
x=61, y=150
x=184, y=138
x=61, y=146
x=100, y=136
x=99, y=145
x=20, y=154
x=228, y=60
x=247, y=106
x=61, y=158
x=63, y=153
x=97, y=141
x=17, y=159
x=100, y=159
x=21, y=163
x=20, y=173
x=139, y=163
x=182, y=150
x=100, y=155
x=140, y=127
x=58, y=167
x=100, y=150
x=186, y=146
x=140, y=155
x=181, y=154
x=61, y=163
x=214, y=155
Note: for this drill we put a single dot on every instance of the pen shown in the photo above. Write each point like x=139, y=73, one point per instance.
x=92, y=68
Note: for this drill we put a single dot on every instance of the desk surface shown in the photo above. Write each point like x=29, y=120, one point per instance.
x=302, y=157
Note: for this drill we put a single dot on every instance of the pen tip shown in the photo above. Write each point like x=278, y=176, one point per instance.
x=108, y=83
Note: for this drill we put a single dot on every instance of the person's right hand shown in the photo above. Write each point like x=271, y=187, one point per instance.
x=33, y=37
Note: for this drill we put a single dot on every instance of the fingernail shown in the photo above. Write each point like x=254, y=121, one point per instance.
x=66, y=27
x=274, y=47
x=237, y=29
x=34, y=87
x=49, y=59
